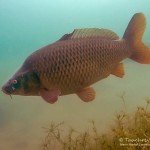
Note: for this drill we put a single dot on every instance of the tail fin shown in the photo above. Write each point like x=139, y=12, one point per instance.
x=133, y=34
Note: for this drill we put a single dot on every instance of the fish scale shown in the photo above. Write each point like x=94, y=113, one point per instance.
x=74, y=64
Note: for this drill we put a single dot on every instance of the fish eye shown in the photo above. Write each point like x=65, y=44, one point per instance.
x=15, y=84
x=14, y=81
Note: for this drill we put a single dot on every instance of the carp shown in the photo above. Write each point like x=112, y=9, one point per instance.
x=78, y=60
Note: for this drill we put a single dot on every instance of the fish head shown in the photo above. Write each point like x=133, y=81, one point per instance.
x=11, y=87
x=22, y=84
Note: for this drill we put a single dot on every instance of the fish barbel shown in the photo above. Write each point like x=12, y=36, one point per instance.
x=78, y=60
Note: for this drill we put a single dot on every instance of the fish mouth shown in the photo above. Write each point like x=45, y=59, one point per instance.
x=6, y=90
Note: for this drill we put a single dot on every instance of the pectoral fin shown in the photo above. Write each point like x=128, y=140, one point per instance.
x=119, y=70
x=50, y=96
x=87, y=94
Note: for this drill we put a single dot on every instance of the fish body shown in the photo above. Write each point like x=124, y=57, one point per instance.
x=78, y=60
x=74, y=64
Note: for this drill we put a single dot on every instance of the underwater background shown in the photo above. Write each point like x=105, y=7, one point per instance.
x=27, y=25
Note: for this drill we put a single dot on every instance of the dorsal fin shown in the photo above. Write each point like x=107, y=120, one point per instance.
x=91, y=32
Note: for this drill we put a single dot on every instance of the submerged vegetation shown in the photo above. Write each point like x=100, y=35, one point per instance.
x=129, y=132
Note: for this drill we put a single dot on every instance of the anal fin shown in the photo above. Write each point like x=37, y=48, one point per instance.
x=119, y=70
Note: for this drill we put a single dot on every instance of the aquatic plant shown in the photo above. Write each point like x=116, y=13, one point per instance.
x=129, y=132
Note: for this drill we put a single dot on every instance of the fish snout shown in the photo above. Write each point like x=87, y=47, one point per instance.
x=7, y=89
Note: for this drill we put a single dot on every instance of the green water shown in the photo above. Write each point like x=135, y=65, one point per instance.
x=26, y=25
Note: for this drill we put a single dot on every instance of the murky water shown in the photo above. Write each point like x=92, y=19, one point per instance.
x=28, y=25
